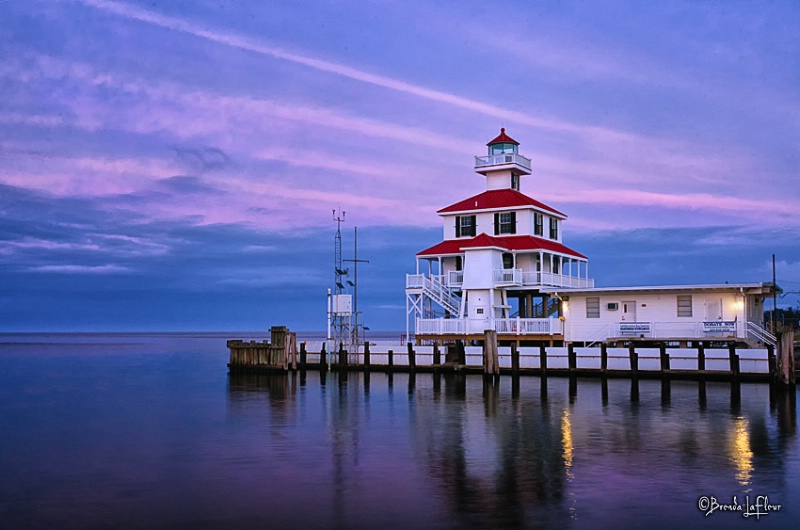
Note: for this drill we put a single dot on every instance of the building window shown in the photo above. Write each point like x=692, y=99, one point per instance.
x=684, y=305
x=538, y=223
x=556, y=267
x=459, y=263
x=514, y=181
x=508, y=260
x=593, y=307
x=505, y=223
x=553, y=228
x=465, y=226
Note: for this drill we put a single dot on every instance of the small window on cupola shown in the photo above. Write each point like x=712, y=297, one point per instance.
x=514, y=181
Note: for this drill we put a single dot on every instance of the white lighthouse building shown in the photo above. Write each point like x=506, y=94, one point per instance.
x=500, y=249
x=502, y=266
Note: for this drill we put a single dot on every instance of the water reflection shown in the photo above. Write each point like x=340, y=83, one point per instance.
x=740, y=452
x=528, y=452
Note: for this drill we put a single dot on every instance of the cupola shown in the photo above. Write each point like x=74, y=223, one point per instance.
x=503, y=165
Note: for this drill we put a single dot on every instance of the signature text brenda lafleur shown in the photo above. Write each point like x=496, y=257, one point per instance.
x=755, y=507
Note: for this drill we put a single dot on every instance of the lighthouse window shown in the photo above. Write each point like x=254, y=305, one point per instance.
x=465, y=226
x=514, y=181
x=499, y=149
x=505, y=223
x=553, y=228
x=537, y=224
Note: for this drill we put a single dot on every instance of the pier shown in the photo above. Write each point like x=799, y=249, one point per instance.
x=703, y=362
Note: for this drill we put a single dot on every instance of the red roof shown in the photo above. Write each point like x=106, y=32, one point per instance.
x=507, y=243
x=505, y=198
x=503, y=138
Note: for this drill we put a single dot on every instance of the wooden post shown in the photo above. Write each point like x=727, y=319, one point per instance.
x=514, y=359
x=391, y=360
x=437, y=355
x=664, y=358
x=342, y=356
x=604, y=357
x=784, y=373
x=543, y=359
x=366, y=357
x=733, y=359
x=462, y=352
x=412, y=358
x=291, y=349
x=323, y=359
x=772, y=361
x=634, y=360
x=490, y=364
x=303, y=355
x=701, y=357
x=571, y=359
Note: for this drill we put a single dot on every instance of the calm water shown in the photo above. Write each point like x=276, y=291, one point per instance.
x=150, y=431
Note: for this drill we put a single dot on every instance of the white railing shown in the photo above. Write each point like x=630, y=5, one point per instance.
x=673, y=330
x=435, y=289
x=526, y=326
x=455, y=278
x=760, y=334
x=502, y=159
x=556, y=280
x=517, y=326
x=441, y=326
x=507, y=276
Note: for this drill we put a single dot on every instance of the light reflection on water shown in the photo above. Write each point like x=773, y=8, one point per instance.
x=151, y=431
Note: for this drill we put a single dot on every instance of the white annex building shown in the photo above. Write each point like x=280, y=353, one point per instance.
x=502, y=265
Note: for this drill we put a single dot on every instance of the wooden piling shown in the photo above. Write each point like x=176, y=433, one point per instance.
x=412, y=358
x=784, y=365
x=491, y=366
x=303, y=355
x=664, y=358
x=571, y=358
x=701, y=357
x=342, y=357
x=733, y=359
x=323, y=359
x=366, y=357
x=604, y=357
x=437, y=356
x=634, y=360
x=543, y=359
x=514, y=359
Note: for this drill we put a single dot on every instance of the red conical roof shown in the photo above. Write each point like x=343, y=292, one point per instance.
x=503, y=138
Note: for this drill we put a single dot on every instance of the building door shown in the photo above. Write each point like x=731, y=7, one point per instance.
x=629, y=311
x=713, y=308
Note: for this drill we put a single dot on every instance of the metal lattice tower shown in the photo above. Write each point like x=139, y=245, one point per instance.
x=340, y=316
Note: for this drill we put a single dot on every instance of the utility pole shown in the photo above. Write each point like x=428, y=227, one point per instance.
x=355, y=261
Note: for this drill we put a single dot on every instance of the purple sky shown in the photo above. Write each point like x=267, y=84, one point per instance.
x=173, y=165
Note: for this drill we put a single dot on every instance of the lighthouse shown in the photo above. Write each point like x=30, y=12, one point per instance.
x=499, y=260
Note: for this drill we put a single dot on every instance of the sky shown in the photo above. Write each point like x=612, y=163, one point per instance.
x=175, y=165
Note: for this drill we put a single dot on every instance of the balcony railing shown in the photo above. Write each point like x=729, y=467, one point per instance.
x=711, y=330
x=515, y=326
x=506, y=278
x=502, y=159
